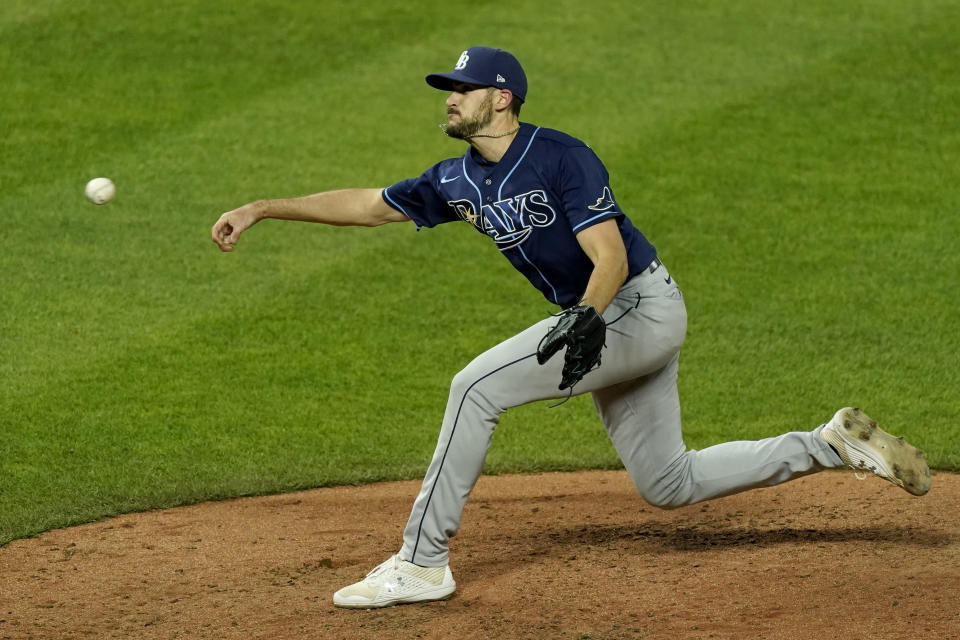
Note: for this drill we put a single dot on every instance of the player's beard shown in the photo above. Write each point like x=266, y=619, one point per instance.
x=469, y=127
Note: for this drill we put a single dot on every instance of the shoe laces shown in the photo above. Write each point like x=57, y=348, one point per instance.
x=392, y=563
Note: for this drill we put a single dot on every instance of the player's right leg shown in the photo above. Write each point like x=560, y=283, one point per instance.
x=643, y=420
x=861, y=444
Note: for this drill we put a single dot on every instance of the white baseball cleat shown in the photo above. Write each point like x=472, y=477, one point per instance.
x=863, y=445
x=397, y=581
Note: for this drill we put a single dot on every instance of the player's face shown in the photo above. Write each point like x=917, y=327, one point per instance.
x=469, y=110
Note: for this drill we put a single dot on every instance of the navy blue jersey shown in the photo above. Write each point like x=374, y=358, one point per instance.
x=547, y=188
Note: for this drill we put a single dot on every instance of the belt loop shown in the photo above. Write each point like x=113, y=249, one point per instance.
x=654, y=265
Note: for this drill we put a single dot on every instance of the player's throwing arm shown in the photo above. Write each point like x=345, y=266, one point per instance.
x=343, y=207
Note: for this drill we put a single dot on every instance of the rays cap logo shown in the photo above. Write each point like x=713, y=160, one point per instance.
x=485, y=67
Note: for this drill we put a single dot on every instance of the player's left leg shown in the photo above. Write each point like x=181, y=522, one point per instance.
x=503, y=377
x=507, y=376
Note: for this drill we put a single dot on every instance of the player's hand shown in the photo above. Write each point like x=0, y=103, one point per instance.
x=582, y=331
x=226, y=231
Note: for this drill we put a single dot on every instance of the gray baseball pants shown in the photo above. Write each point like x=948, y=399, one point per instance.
x=635, y=393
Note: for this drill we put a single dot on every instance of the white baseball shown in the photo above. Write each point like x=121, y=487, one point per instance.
x=100, y=190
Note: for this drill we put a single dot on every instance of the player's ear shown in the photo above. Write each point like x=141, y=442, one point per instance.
x=503, y=100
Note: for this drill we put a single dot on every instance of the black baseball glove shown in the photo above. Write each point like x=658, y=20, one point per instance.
x=582, y=331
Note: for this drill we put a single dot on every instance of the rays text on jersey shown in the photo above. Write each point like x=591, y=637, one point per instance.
x=508, y=221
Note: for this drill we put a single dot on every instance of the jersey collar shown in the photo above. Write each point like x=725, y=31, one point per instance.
x=514, y=151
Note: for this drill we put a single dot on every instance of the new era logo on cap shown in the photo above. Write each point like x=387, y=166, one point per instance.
x=485, y=67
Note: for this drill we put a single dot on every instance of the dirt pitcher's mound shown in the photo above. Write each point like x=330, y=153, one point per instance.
x=541, y=556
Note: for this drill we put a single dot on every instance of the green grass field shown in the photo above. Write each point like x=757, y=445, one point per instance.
x=796, y=164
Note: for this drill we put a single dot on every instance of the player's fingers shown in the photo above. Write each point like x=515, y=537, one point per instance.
x=216, y=233
x=221, y=234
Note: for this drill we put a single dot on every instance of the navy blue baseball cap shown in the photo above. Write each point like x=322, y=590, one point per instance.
x=485, y=67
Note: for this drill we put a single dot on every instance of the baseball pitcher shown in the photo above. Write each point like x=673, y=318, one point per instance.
x=545, y=201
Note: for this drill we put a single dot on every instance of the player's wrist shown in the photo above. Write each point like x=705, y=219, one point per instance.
x=589, y=304
x=260, y=209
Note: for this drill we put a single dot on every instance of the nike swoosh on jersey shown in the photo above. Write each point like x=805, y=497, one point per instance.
x=445, y=180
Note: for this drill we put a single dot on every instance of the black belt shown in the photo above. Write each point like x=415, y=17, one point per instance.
x=656, y=264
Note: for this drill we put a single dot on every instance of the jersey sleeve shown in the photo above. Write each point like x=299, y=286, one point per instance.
x=419, y=200
x=585, y=189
